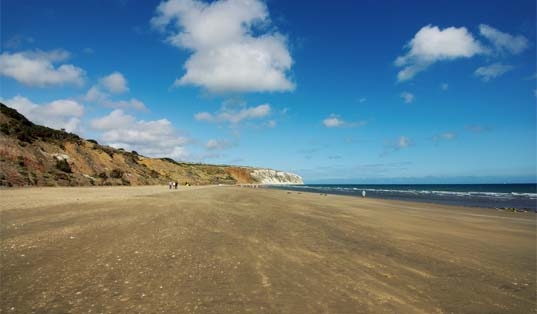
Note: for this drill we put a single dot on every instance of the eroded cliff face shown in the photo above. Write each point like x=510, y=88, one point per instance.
x=269, y=176
x=35, y=155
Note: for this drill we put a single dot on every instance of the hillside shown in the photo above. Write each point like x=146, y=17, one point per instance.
x=36, y=155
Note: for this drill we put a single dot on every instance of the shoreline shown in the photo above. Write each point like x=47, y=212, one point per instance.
x=530, y=205
x=228, y=249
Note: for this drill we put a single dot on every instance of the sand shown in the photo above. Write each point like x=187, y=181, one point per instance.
x=242, y=250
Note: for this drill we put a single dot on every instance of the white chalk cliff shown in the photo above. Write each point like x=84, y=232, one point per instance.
x=269, y=176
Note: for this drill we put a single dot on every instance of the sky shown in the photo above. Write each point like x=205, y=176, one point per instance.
x=335, y=91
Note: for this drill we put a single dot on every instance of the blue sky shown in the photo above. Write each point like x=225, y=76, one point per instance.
x=339, y=91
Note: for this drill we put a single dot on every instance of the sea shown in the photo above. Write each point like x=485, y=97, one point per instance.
x=504, y=196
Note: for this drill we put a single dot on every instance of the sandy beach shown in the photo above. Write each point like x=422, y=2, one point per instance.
x=226, y=249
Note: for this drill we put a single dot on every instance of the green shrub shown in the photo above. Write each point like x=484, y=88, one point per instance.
x=4, y=128
x=20, y=161
x=116, y=173
x=63, y=165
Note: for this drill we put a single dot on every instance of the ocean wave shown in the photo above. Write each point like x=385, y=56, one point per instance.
x=416, y=192
x=497, y=196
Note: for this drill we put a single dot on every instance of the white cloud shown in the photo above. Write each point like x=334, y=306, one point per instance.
x=334, y=121
x=58, y=114
x=231, y=47
x=116, y=119
x=403, y=142
x=400, y=143
x=444, y=136
x=218, y=144
x=444, y=86
x=204, y=116
x=408, y=97
x=431, y=44
x=95, y=94
x=486, y=73
x=126, y=104
x=37, y=68
x=156, y=138
x=115, y=83
x=272, y=124
x=504, y=41
x=234, y=115
x=362, y=100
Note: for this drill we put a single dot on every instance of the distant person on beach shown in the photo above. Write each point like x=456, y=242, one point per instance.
x=176, y=184
x=363, y=193
x=170, y=184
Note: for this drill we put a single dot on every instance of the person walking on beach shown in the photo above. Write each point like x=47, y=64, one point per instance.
x=176, y=184
x=363, y=193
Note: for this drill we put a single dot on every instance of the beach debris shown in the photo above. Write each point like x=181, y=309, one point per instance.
x=514, y=209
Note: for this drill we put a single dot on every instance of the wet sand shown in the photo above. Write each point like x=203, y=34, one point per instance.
x=242, y=250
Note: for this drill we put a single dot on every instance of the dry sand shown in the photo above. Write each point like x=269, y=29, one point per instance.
x=240, y=250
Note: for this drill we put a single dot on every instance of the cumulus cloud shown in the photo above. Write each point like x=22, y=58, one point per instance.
x=37, y=68
x=116, y=119
x=94, y=94
x=504, y=42
x=156, y=138
x=231, y=44
x=131, y=103
x=115, y=83
x=486, y=73
x=335, y=121
x=235, y=114
x=408, y=97
x=432, y=44
x=58, y=114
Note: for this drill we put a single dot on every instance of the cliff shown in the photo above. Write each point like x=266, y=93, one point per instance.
x=35, y=155
x=269, y=176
